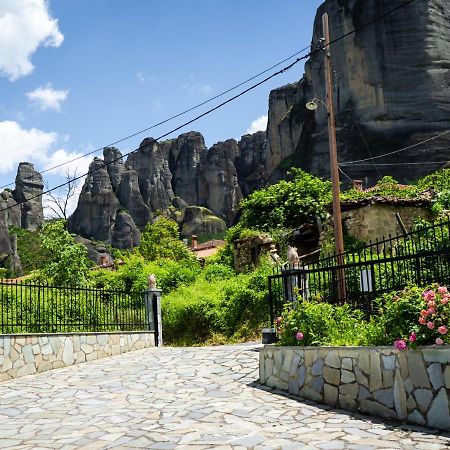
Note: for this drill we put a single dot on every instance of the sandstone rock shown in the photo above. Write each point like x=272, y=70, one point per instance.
x=29, y=188
x=130, y=197
x=185, y=154
x=97, y=205
x=218, y=181
x=114, y=165
x=250, y=162
x=200, y=221
x=397, y=93
x=125, y=234
x=151, y=163
x=13, y=215
x=97, y=252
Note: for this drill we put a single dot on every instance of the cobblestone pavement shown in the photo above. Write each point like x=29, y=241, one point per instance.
x=197, y=398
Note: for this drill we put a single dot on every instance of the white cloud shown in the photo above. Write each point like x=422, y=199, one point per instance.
x=260, y=124
x=18, y=144
x=198, y=89
x=39, y=147
x=46, y=98
x=24, y=26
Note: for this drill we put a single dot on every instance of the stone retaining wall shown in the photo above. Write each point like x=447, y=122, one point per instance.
x=410, y=385
x=28, y=354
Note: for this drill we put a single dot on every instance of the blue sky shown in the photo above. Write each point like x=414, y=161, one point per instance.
x=106, y=68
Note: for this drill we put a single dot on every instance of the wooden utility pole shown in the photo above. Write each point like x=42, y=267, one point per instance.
x=337, y=217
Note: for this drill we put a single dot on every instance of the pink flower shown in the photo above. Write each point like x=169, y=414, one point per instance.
x=299, y=336
x=432, y=304
x=444, y=300
x=430, y=325
x=442, y=290
x=413, y=337
x=278, y=320
x=422, y=320
x=279, y=331
x=400, y=344
x=424, y=313
x=442, y=330
x=431, y=311
x=429, y=295
x=439, y=341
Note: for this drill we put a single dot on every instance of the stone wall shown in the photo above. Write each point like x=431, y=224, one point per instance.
x=376, y=221
x=412, y=386
x=28, y=354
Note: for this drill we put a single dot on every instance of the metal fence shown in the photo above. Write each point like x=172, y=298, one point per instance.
x=30, y=307
x=421, y=257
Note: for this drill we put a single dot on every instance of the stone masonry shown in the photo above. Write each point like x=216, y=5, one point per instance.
x=28, y=354
x=411, y=385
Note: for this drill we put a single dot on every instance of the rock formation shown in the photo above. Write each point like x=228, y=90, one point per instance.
x=201, y=221
x=30, y=215
x=29, y=188
x=392, y=90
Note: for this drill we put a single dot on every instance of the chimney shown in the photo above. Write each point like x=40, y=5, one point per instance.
x=194, y=241
x=103, y=260
x=358, y=185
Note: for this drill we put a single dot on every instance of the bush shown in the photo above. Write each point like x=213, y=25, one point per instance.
x=67, y=262
x=161, y=240
x=133, y=275
x=314, y=323
x=287, y=204
x=416, y=316
x=218, y=307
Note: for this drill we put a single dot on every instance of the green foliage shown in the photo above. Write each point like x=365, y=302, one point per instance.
x=133, y=274
x=29, y=247
x=161, y=240
x=442, y=202
x=217, y=308
x=67, y=262
x=321, y=324
x=287, y=203
x=386, y=187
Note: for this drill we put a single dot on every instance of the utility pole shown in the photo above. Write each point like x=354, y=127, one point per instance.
x=337, y=217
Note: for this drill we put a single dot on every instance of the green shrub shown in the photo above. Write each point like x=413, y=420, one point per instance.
x=162, y=240
x=133, y=274
x=219, y=309
x=321, y=324
x=67, y=262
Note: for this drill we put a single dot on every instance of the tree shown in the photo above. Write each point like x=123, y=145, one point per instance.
x=59, y=204
x=161, y=240
x=68, y=263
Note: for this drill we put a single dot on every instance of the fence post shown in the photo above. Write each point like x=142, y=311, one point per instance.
x=153, y=310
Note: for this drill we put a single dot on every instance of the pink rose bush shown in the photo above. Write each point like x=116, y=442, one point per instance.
x=432, y=322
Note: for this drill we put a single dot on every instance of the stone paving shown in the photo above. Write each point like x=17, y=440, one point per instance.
x=196, y=398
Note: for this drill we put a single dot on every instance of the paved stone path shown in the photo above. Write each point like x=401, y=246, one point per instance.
x=197, y=398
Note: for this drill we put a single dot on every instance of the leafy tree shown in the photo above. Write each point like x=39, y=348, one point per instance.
x=162, y=240
x=67, y=263
x=287, y=203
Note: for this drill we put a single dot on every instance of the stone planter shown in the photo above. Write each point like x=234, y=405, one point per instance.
x=409, y=385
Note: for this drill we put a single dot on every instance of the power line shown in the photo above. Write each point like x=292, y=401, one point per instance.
x=348, y=163
x=402, y=164
x=175, y=116
x=320, y=49
x=162, y=136
x=221, y=94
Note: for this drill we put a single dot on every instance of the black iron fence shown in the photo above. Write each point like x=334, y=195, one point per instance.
x=420, y=257
x=31, y=307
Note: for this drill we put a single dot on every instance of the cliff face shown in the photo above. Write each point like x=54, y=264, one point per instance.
x=119, y=198
x=30, y=215
x=392, y=90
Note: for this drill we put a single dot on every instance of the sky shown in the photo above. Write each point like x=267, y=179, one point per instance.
x=78, y=75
